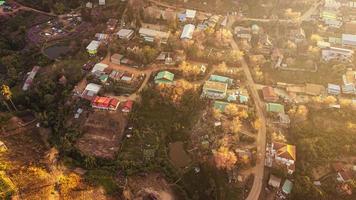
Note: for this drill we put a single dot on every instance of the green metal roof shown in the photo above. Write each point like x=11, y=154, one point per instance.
x=165, y=75
x=275, y=107
x=287, y=186
x=221, y=79
x=220, y=105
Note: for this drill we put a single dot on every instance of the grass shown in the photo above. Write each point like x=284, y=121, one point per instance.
x=324, y=75
x=104, y=178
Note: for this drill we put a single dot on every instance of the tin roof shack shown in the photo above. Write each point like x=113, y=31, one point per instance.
x=30, y=77
x=274, y=181
x=93, y=46
x=339, y=54
x=214, y=90
x=349, y=40
x=150, y=35
x=334, y=89
x=125, y=34
x=116, y=58
x=90, y=91
x=187, y=32
x=274, y=108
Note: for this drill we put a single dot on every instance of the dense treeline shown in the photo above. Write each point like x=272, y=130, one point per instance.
x=57, y=6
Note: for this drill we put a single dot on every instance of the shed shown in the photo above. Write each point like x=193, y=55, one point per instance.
x=348, y=40
x=116, y=58
x=287, y=187
x=274, y=181
x=221, y=79
x=190, y=13
x=93, y=46
x=275, y=107
x=125, y=34
x=334, y=89
x=99, y=67
x=188, y=31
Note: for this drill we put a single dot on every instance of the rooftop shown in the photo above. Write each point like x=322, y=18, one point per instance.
x=215, y=86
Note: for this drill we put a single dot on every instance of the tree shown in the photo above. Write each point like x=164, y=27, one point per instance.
x=329, y=100
x=59, y=8
x=222, y=67
x=235, y=126
x=235, y=55
x=189, y=70
x=216, y=114
x=316, y=38
x=224, y=158
x=300, y=113
x=231, y=110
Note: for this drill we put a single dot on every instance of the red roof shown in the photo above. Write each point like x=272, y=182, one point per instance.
x=105, y=102
x=127, y=106
x=269, y=94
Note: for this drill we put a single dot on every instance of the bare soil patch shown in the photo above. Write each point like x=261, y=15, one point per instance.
x=103, y=132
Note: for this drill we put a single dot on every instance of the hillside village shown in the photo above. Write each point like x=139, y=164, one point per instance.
x=145, y=99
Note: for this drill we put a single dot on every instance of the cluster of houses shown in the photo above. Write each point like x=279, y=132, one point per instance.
x=281, y=155
x=348, y=85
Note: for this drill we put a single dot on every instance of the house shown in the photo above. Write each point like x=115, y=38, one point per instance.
x=221, y=79
x=274, y=107
x=166, y=58
x=348, y=40
x=127, y=107
x=127, y=77
x=158, y=13
x=220, y=105
x=287, y=187
x=332, y=4
x=187, y=32
x=125, y=34
x=30, y=77
x=116, y=75
x=101, y=2
x=111, y=24
x=99, y=68
x=243, y=33
x=90, y=91
x=214, y=90
x=93, y=46
x=164, y=77
x=349, y=82
x=105, y=103
x=339, y=54
x=89, y=5
x=116, y=58
x=269, y=94
x=335, y=40
x=274, y=181
x=334, y=89
x=101, y=37
x=190, y=14
x=284, y=154
x=150, y=35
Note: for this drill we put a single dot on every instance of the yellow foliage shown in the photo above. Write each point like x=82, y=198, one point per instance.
x=224, y=158
x=68, y=183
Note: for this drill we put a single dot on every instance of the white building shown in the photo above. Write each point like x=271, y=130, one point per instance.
x=101, y=2
x=126, y=34
x=150, y=35
x=348, y=40
x=99, y=68
x=93, y=46
x=91, y=90
x=187, y=32
x=334, y=53
x=190, y=14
